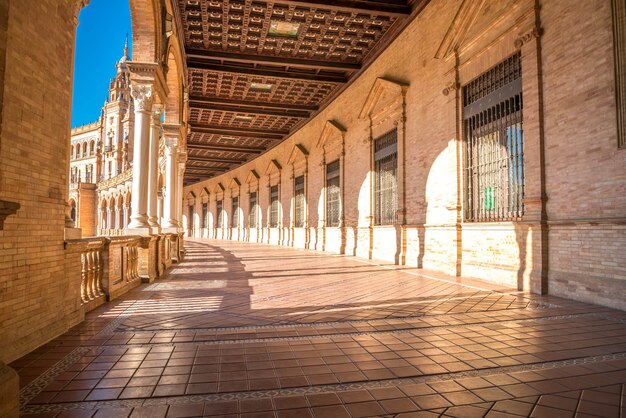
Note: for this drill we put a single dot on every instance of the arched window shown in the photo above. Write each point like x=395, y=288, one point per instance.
x=92, y=145
x=77, y=150
x=84, y=149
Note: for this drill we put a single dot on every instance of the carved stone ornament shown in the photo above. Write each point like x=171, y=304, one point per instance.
x=527, y=36
x=78, y=5
x=142, y=95
x=450, y=88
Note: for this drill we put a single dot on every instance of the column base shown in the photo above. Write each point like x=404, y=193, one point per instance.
x=138, y=231
x=169, y=230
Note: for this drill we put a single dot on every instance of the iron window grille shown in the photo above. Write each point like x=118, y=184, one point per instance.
x=273, y=221
x=333, y=198
x=494, y=155
x=253, y=210
x=299, y=202
x=235, y=212
x=220, y=213
x=385, y=174
x=205, y=215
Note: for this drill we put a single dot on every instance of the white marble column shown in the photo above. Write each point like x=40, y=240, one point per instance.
x=170, y=210
x=142, y=94
x=153, y=167
x=179, y=189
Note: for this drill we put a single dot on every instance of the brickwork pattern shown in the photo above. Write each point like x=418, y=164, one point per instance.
x=584, y=177
x=34, y=166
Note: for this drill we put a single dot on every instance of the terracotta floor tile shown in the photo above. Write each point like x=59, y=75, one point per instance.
x=156, y=411
x=184, y=411
x=290, y=319
x=221, y=408
x=333, y=411
x=113, y=413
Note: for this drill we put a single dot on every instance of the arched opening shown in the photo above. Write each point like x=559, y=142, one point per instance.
x=73, y=209
x=103, y=216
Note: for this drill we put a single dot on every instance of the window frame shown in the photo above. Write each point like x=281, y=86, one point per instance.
x=385, y=213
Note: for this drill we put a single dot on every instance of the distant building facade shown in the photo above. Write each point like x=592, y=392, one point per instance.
x=100, y=162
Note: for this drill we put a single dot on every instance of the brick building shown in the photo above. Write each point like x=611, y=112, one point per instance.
x=476, y=139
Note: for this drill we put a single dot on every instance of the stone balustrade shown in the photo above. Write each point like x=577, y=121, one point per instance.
x=91, y=276
x=104, y=268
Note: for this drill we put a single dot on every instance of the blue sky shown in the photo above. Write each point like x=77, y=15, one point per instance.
x=102, y=30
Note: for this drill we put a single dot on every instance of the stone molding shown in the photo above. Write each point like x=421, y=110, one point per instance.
x=527, y=36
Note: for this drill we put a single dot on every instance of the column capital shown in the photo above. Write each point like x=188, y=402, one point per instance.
x=143, y=96
x=157, y=113
x=171, y=146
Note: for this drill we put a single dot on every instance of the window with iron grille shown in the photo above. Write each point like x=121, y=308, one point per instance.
x=205, y=215
x=253, y=210
x=235, y=212
x=385, y=174
x=333, y=197
x=494, y=144
x=273, y=221
x=220, y=213
x=299, y=202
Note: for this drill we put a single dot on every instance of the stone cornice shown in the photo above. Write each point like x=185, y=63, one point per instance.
x=148, y=73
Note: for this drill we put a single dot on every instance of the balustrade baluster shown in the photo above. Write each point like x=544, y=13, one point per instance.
x=83, y=279
x=90, y=275
x=98, y=272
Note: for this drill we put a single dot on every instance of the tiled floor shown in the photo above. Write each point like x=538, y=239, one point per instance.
x=257, y=331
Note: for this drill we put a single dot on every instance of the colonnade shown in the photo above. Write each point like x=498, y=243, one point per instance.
x=149, y=93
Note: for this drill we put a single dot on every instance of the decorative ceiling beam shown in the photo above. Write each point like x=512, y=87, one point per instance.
x=247, y=132
x=217, y=100
x=200, y=158
x=225, y=148
x=195, y=64
x=202, y=54
x=391, y=9
x=200, y=104
x=204, y=170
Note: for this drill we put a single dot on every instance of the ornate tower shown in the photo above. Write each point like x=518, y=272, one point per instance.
x=117, y=123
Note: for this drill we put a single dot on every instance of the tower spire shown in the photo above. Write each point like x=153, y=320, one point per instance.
x=126, y=46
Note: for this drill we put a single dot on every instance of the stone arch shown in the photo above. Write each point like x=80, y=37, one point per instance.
x=104, y=206
x=175, y=81
x=146, y=30
x=72, y=204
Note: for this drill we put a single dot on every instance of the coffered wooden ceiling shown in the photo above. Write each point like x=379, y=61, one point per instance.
x=258, y=70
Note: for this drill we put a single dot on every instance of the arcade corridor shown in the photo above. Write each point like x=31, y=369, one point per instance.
x=258, y=331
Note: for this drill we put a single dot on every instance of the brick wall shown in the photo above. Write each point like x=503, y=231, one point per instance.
x=35, y=304
x=585, y=172
x=574, y=122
